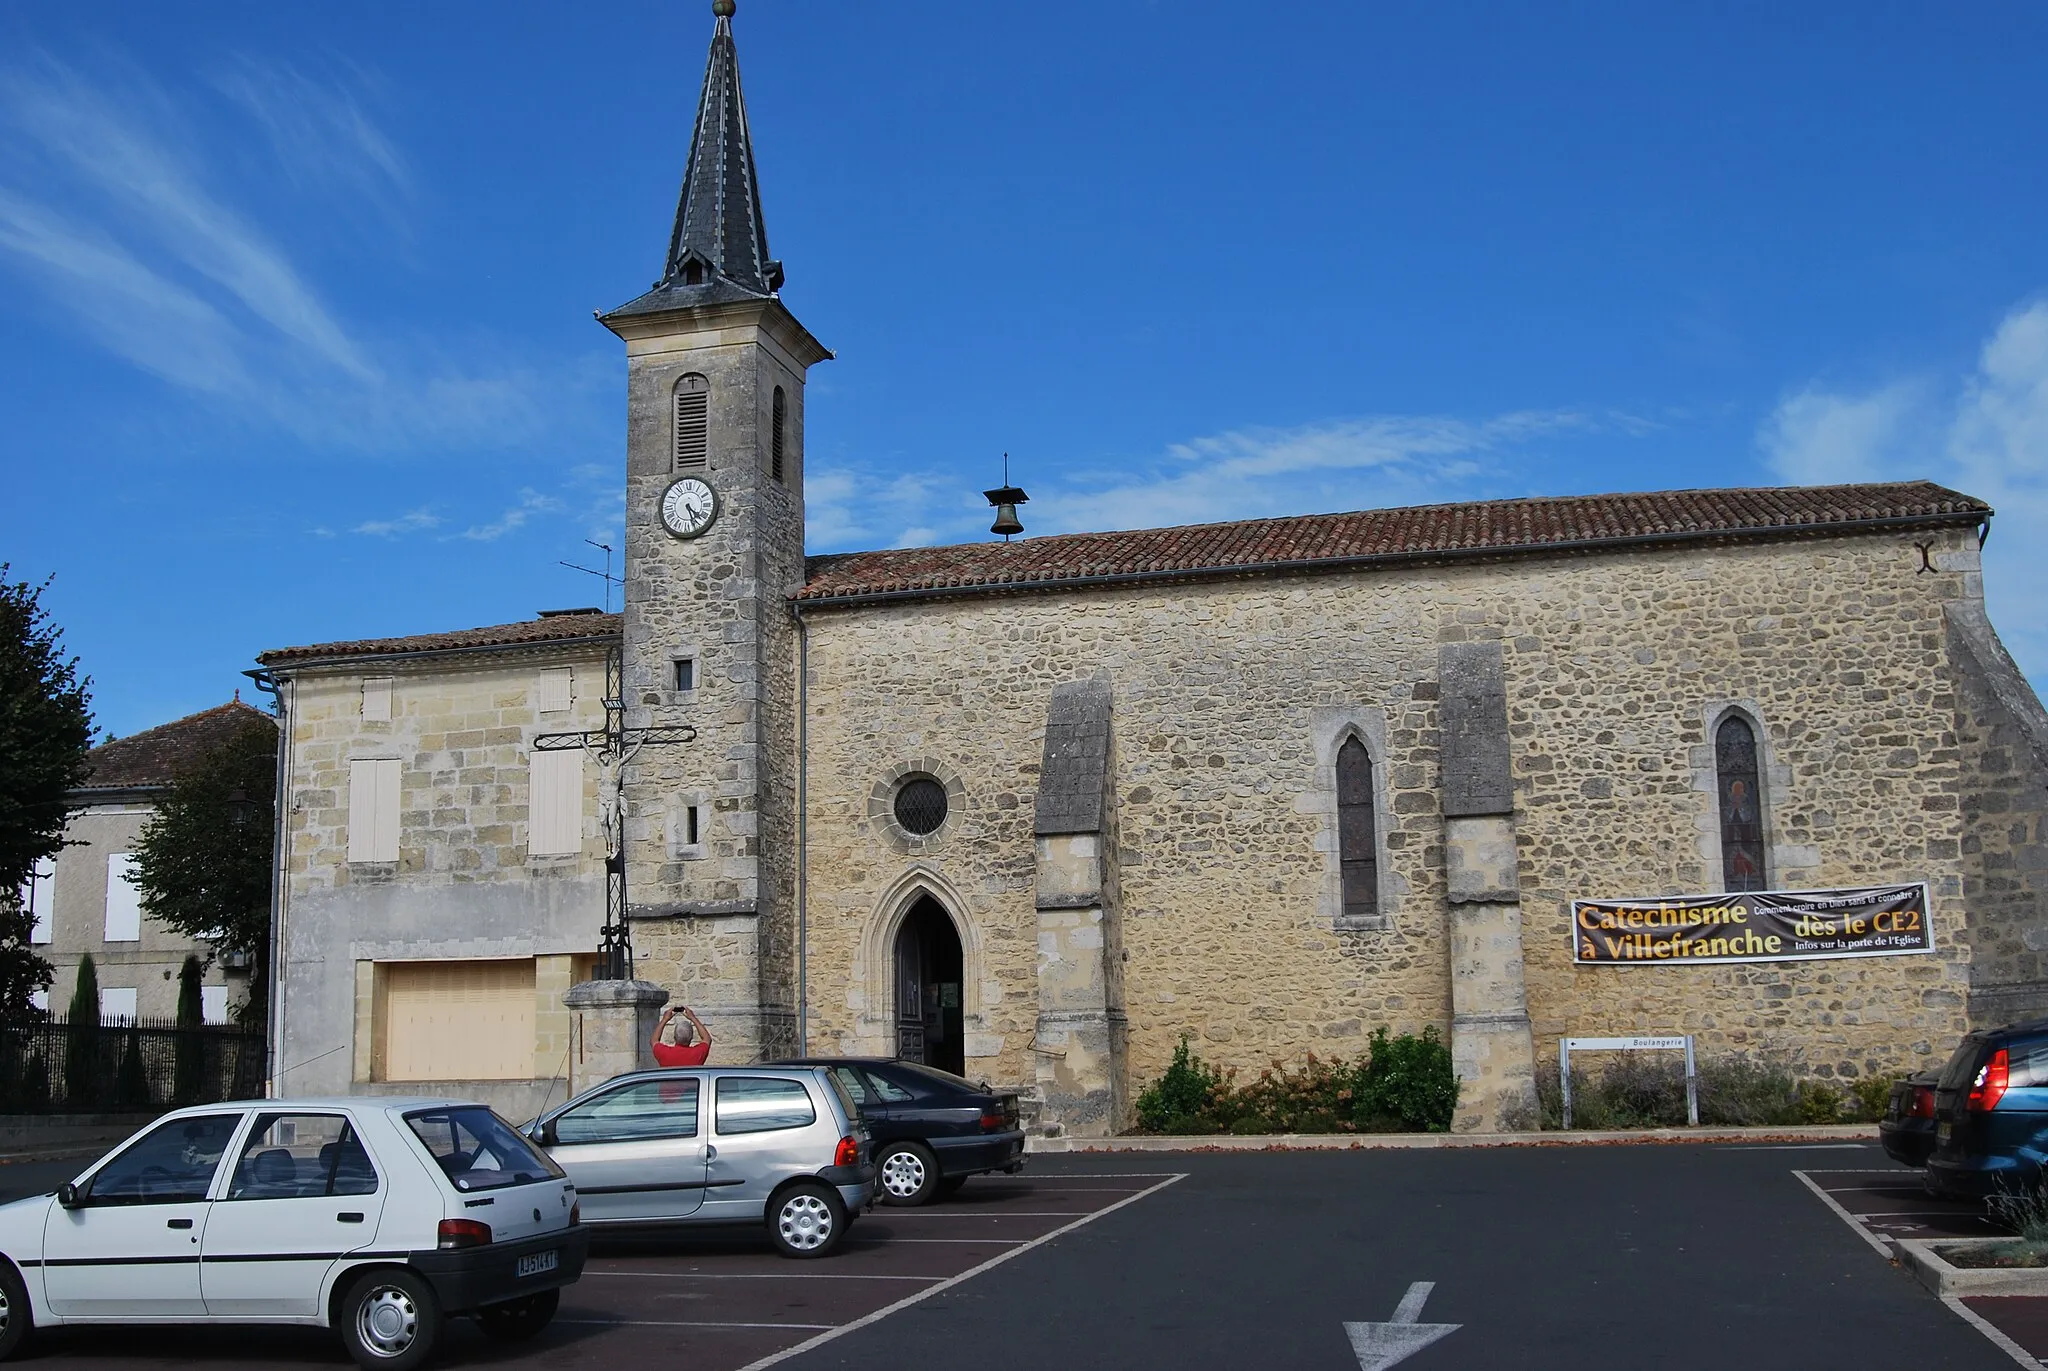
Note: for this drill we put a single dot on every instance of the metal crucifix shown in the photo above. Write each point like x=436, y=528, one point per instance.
x=614, y=746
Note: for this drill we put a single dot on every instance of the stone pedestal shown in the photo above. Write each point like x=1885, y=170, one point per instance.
x=611, y=1024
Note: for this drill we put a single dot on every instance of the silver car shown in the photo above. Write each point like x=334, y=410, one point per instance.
x=780, y=1146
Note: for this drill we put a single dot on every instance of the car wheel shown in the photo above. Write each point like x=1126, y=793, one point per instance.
x=16, y=1321
x=908, y=1174
x=806, y=1220
x=950, y=1186
x=515, y=1320
x=390, y=1320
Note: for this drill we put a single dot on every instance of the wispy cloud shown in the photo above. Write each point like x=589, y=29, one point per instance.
x=1240, y=474
x=133, y=209
x=1985, y=432
x=531, y=502
x=412, y=521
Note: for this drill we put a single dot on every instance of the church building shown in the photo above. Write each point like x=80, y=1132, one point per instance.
x=1749, y=765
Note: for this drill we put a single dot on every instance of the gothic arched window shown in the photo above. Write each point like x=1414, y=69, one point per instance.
x=775, y=435
x=1357, y=842
x=693, y=423
x=1738, y=789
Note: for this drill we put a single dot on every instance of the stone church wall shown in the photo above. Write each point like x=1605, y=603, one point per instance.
x=2003, y=736
x=1617, y=665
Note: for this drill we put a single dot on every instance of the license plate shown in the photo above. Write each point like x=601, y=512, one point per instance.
x=533, y=1263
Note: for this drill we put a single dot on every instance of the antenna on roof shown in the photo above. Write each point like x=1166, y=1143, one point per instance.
x=609, y=579
x=1006, y=498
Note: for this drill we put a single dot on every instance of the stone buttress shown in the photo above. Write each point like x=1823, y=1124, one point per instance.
x=1079, y=1045
x=1490, y=1037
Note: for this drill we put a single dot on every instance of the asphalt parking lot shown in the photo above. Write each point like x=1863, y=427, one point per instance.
x=1683, y=1256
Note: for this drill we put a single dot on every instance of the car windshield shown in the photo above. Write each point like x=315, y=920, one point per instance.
x=478, y=1150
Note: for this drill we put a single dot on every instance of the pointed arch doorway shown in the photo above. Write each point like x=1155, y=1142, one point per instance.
x=929, y=1025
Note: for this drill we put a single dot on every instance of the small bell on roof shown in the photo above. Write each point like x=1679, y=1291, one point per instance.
x=1006, y=498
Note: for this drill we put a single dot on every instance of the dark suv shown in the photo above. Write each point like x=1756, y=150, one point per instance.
x=1991, y=1113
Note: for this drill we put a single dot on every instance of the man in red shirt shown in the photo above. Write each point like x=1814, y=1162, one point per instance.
x=692, y=1045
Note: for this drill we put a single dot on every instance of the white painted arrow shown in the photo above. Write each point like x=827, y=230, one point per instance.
x=1380, y=1345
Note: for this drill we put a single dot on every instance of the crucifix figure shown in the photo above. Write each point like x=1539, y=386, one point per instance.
x=613, y=747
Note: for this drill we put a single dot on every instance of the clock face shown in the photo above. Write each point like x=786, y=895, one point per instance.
x=688, y=506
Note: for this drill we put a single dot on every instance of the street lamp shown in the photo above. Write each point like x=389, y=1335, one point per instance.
x=241, y=808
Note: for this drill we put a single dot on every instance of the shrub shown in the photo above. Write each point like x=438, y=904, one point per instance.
x=1404, y=1084
x=1870, y=1096
x=131, y=1082
x=1409, y=1084
x=1819, y=1102
x=1177, y=1101
x=1739, y=1093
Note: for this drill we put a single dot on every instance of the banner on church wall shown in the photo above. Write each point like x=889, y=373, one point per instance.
x=1753, y=926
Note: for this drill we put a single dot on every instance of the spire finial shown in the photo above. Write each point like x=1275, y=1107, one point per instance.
x=718, y=236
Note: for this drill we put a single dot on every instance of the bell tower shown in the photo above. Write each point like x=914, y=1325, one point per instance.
x=715, y=367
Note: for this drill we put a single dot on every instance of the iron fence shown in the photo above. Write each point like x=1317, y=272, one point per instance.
x=55, y=1067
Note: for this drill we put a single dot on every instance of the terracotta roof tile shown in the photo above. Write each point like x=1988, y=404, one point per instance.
x=1423, y=532
x=158, y=756
x=549, y=628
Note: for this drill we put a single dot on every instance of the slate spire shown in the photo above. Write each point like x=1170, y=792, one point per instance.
x=719, y=234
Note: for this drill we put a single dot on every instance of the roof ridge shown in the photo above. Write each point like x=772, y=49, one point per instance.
x=1517, y=523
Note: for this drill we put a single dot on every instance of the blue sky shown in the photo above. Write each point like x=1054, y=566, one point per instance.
x=295, y=334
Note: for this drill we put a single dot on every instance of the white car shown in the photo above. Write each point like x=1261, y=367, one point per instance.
x=375, y=1217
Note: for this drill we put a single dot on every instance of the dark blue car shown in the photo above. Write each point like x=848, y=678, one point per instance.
x=932, y=1129
x=1991, y=1113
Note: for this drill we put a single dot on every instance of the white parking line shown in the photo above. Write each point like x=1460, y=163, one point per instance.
x=1998, y=1339
x=997, y=1242
x=990, y=1214
x=753, y=1276
x=1883, y=1248
x=694, y=1323
x=951, y=1281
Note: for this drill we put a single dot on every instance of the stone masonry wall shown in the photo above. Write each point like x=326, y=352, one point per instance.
x=463, y=886
x=1614, y=664
x=2002, y=732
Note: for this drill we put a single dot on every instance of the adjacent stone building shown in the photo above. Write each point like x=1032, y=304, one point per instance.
x=85, y=901
x=1033, y=810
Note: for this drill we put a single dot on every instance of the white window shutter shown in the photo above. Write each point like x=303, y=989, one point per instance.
x=117, y=1004
x=554, y=824
x=377, y=700
x=124, y=901
x=373, y=810
x=555, y=689
x=36, y=897
x=213, y=1003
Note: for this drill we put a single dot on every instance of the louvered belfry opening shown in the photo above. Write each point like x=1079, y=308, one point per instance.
x=780, y=412
x=1357, y=841
x=1739, y=789
x=693, y=423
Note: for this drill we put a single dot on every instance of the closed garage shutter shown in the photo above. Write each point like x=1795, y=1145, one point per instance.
x=458, y=1021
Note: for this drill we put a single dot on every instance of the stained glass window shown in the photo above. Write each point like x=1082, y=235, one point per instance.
x=1740, y=792
x=1355, y=837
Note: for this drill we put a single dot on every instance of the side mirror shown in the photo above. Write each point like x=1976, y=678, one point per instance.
x=544, y=1134
x=67, y=1195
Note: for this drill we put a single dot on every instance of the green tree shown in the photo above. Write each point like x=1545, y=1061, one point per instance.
x=190, y=1062
x=203, y=861
x=45, y=730
x=82, y=1051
